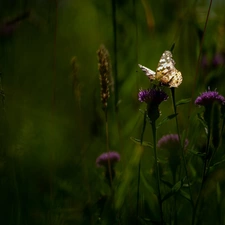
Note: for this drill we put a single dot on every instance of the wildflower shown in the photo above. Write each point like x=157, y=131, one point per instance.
x=171, y=144
x=212, y=102
x=152, y=95
x=205, y=62
x=218, y=60
x=108, y=160
x=209, y=97
x=103, y=159
x=170, y=141
x=153, y=98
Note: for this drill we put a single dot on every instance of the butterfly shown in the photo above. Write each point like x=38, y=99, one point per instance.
x=166, y=74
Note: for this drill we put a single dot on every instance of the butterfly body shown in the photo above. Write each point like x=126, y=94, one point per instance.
x=166, y=73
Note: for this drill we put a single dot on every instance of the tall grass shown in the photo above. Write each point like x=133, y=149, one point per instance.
x=164, y=170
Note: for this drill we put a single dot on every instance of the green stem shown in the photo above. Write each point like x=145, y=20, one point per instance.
x=182, y=150
x=175, y=200
x=107, y=146
x=199, y=56
x=157, y=171
x=204, y=174
x=114, y=24
x=139, y=168
x=138, y=191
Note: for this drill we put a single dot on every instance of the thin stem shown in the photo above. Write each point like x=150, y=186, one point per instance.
x=115, y=53
x=52, y=167
x=182, y=152
x=18, y=202
x=107, y=145
x=138, y=191
x=204, y=174
x=175, y=199
x=157, y=170
x=200, y=54
x=139, y=168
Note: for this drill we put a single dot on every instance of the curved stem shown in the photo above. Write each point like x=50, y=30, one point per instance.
x=199, y=56
x=182, y=152
x=204, y=174
x=157, y=171
x=139, y=168
x=114, y=25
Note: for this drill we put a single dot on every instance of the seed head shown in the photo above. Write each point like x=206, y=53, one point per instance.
x=104, y=68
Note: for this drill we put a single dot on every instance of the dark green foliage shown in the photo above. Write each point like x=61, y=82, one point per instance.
x=52, y=127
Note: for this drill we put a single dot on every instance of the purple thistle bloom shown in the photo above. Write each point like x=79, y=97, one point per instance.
x=171, y=144
x=152, y=96
x=102, y=160
x=205, y=62
x=209, y=97
x=170, y=141
x=218, y=59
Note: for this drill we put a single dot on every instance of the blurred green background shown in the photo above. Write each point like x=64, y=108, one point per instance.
x=52, y=123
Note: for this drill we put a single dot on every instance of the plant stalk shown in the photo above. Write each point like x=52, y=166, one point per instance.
x=157, y=171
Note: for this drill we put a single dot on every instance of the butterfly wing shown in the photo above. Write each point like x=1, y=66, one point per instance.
x=148, y=72
x=166, y=72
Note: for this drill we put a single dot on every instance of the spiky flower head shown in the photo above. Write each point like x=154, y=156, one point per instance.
x=219, y=59
x=108, y=160
x=104, y=68
x=209, y=97
x=153, y=98
x=171, y=144
x=104, y=159
x=170, y=141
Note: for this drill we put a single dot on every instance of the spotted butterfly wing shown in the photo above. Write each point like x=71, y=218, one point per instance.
x=166, y=73
x=148, y=72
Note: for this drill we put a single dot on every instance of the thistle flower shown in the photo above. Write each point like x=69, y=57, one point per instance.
x=153, y=98
x=104, y=68
x=103, y=159
x=171, y=144
x=108, y=160
x=218, y=60
x=213, y=102
x=209, y=97
x=170, y=141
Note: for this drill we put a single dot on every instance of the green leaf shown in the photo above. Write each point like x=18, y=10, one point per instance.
x=167, y=183
x=142, y=111
x=147, y=220
x=216, y=126
x=192, y=170
x=170, y=117
x=183, y=101
x=200, y=154
x=218, y=192
x=146, y=184
x=144, y=143
x=212, y=168
x=203, y=122
x=174, y=189
x=185, y=195
x=144, y=126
